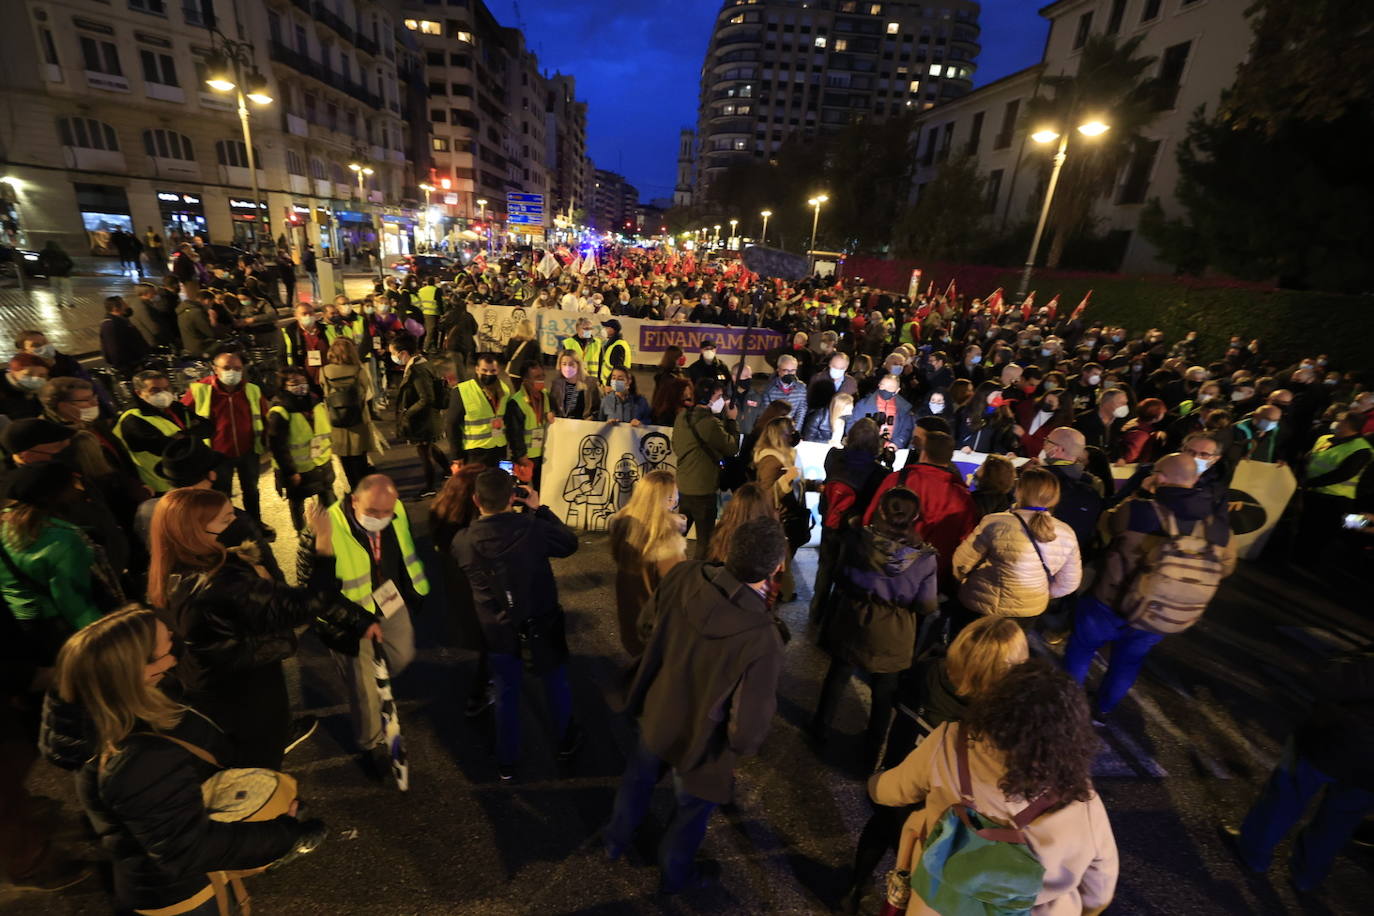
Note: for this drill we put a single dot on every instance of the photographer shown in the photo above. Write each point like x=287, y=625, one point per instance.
x=890, y=411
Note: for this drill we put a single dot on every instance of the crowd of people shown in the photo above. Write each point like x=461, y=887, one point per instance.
x=150, y=621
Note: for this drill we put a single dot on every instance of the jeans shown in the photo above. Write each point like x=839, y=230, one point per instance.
x=1284, y=798
x=701, y=512
x=681, y=840
x=508, y=671
x=1094, y=625
x=61, y=289
x=248, y=467
x=884, y=688
x=355, y=468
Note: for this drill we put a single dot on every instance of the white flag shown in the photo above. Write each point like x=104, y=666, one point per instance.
x=548, y=266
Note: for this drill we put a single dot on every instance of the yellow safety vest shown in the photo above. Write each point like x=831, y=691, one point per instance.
x=147, y=462
x=1326, y=457
x=201, y=396
x=478, y=431
x=589, y=351
x=534, y=430
x=606, y=358
x=290, y=347
x=429, y=300
x=354, y=330
x=353, y=562
x=309, y=441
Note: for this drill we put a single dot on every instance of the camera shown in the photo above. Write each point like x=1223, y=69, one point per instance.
x=1355, y=521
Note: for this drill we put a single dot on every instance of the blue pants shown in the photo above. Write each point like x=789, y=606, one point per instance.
x=678, y=847
x=1094, y=625
x=508, y=671
x=1281, y=804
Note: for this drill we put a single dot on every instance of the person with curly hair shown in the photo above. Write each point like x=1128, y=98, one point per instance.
x=1028, y=738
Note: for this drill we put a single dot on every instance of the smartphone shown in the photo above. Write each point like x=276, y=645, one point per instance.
x=507, y=466
x=1356, y=521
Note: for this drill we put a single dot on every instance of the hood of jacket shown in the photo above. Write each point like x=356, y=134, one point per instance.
x=716, y=615
x=493, y=536
x=1189, y=504
x=885, y=555
x=65, y=736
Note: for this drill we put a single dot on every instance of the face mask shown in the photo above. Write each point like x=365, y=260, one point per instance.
x=32, y=383
x=569, y=372
x=369, y=310
x=1238, y=396
x=160, y=399
x=246, y=303
x=937, y=406
x=307, y=322
x=298, y=390
x=794, y=439
x=789, y=379
x=1264, y=425
x=1094, y=379
x=374, y=524
x=345, y=310
x=230, y=376
x=1122, y=412
x=384, y=307
x=1204, y=398
x=895, y=370
x=1202, y=464
x=1330, y=381
x=488, y=380
x=837, y=374
x=1091, y=341
x=1045, y=351
x=1116, y=338
x=619, y=386
x=87, y=414
x=585, y=333
x=717, y=405
x=974, y=360
x=886, y=395
x=47, y=351
x=708, y=355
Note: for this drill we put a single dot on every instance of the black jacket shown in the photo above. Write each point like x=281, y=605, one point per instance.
x=506, y=559
x=705, y=687
x=121, y=343
x=1338, y=736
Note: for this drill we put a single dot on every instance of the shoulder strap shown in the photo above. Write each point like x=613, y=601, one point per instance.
x=1034, y=543
x=961, y=759
x=1019, y=821
x=1166, y=519
x=692, y=425
x=187, y=746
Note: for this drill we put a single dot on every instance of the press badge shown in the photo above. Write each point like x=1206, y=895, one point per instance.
x=314, y=358
x=388, y=599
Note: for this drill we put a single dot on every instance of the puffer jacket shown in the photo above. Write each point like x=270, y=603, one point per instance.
x=1001, y=574
x=886, y=585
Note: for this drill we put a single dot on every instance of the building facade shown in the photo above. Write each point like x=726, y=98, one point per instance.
x=779, y=68
x=615, y=203
x=1196, y=44
x=115, y=127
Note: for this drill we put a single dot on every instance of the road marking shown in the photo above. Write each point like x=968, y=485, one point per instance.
x=1152, y=710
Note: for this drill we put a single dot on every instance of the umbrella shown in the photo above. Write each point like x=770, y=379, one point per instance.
x=391, y=723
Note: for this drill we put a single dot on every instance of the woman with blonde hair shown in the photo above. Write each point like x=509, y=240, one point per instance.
x=238, y=623
x=646, y=542
x=996, y=479
x=938, y=689
x=142, y=760
x=572, y=394
x=775, y=467
x=749, y=502
x=1014, y=562
x=521, y=350
x=348, y=393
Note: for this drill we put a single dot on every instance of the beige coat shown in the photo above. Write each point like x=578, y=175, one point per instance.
x=351, y=440
x=1074, y=844
x=1001, y=573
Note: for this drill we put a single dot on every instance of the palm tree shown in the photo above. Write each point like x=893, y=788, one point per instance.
x=1111, y=86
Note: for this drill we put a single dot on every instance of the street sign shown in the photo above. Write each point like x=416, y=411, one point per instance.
x=524, y=209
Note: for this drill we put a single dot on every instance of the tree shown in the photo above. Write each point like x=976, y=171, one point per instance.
x=1285, y=202
x=946, y=223
x=1110, y=85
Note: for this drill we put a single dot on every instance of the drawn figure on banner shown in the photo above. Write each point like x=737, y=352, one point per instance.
x=626, y=474
x=487, y=330
x=588, y=488
x=508, y=326
x=657, y=450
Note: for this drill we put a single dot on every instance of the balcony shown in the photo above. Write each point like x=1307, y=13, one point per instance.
x=740, y=38
x=366, y=45
x=333, y=20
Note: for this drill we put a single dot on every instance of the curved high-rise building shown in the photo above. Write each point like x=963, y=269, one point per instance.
x=780, y=67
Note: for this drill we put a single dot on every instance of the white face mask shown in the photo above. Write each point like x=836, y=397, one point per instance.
x=308, y=322
x=1122, y=412
x=230, y=376
x=937, y=406
x=345, y=310
x=1094, y=379
x=31, y=382
x=708, y=355
x=161, y=399
x=1202, y=464
x=837, y=374
x=1044, y=455
x=370, y=523
x=47, y=351
x=717, y=405
x=87, y=414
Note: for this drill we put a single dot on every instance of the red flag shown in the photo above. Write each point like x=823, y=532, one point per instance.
x=950, y=292
x=993, y=303
x=1027, y=306
x=930, y=293
x=1078, y=312
x=1052, y=307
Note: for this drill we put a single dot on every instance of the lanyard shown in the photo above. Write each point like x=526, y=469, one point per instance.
x=374, y=541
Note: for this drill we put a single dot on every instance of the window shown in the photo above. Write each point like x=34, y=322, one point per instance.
x=87, y=133
x=49, y=47
x=465, y=37
x=946, y=141
x=294, y=165
x=438, y=116
x=893, y=28
x=424, y=26
x=234, y=153
x=936, y=69
x=274, y=26
x=975, y=134
x=1085, y=27
x=317, y=169
x=158, y=68
x=1115, y=16
x=914, y=87
x=434, y=58
x=994, y=188
x=1150, y=11
x=100, y=56
x=168, y=144
x=156, y=7
x=1137, y=178
x=440, y=144
x=1171, y=68
x=1008, y=128
x=820, y=41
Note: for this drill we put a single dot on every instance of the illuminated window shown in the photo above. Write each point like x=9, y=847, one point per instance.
x=440, y=144
x=820, y=41
x=427, y=26
x=875, y=9
x=464, y=37
x=841, y=44
x=412, y=25
x=915, y=87
x=893, y=28
x=935, y=69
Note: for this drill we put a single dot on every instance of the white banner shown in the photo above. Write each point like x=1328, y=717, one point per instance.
x=590, y=468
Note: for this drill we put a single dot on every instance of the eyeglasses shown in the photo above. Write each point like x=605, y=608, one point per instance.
x=1199, y=454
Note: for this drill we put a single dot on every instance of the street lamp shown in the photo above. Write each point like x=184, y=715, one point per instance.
x=429, y=228
x=1092, y=128
x=715, y=236
x=763, y=240
x=733, y=224
x=486, y=230
x=362, y=169
x=225, y=72
x=815, y=204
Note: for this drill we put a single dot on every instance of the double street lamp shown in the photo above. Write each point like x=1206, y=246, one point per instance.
x=429, y=227
x=486, y=230
x=1093, y=128
x=363, y=171
x=733, y=224
x=225, y=71
x=815, y=204
x=763, y=236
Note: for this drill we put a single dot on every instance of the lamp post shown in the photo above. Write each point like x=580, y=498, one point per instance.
x=362, y=169
x=429, y=228
x=486, y=230
x=715, y=235
x=225, y=72
x=733, y=224
x=1048, y=135
x=763, y=240
x=815, y=204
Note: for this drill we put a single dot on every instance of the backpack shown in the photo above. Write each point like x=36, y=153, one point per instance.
x=838, y=503
x=1176, y=580
x=971, y=865
x=345, y=405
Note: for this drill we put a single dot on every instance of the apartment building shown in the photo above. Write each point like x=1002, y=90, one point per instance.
x=615, y=203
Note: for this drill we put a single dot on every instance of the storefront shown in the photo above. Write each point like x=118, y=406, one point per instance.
x=356, y=232
x=247, y=220
x=325, y=241
x=183, y=217
x=104, y=209
x=398, y=234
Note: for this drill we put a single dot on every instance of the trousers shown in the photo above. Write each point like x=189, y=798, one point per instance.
x=248, y=467
x=360, y=681
x=1095, y=625
x=678, y=847
x=508, y=671
x=701, y=512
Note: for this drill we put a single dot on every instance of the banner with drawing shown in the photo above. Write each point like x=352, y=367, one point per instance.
x=591, y=468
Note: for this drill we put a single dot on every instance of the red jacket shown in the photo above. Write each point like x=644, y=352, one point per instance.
x=948, y=514
x=232, y=416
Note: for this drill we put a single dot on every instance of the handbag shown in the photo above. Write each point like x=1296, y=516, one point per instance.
x=796, y=519
x=732, y=474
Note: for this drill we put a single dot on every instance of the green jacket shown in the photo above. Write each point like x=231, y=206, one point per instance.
x=56, y=581
x=698, y=467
